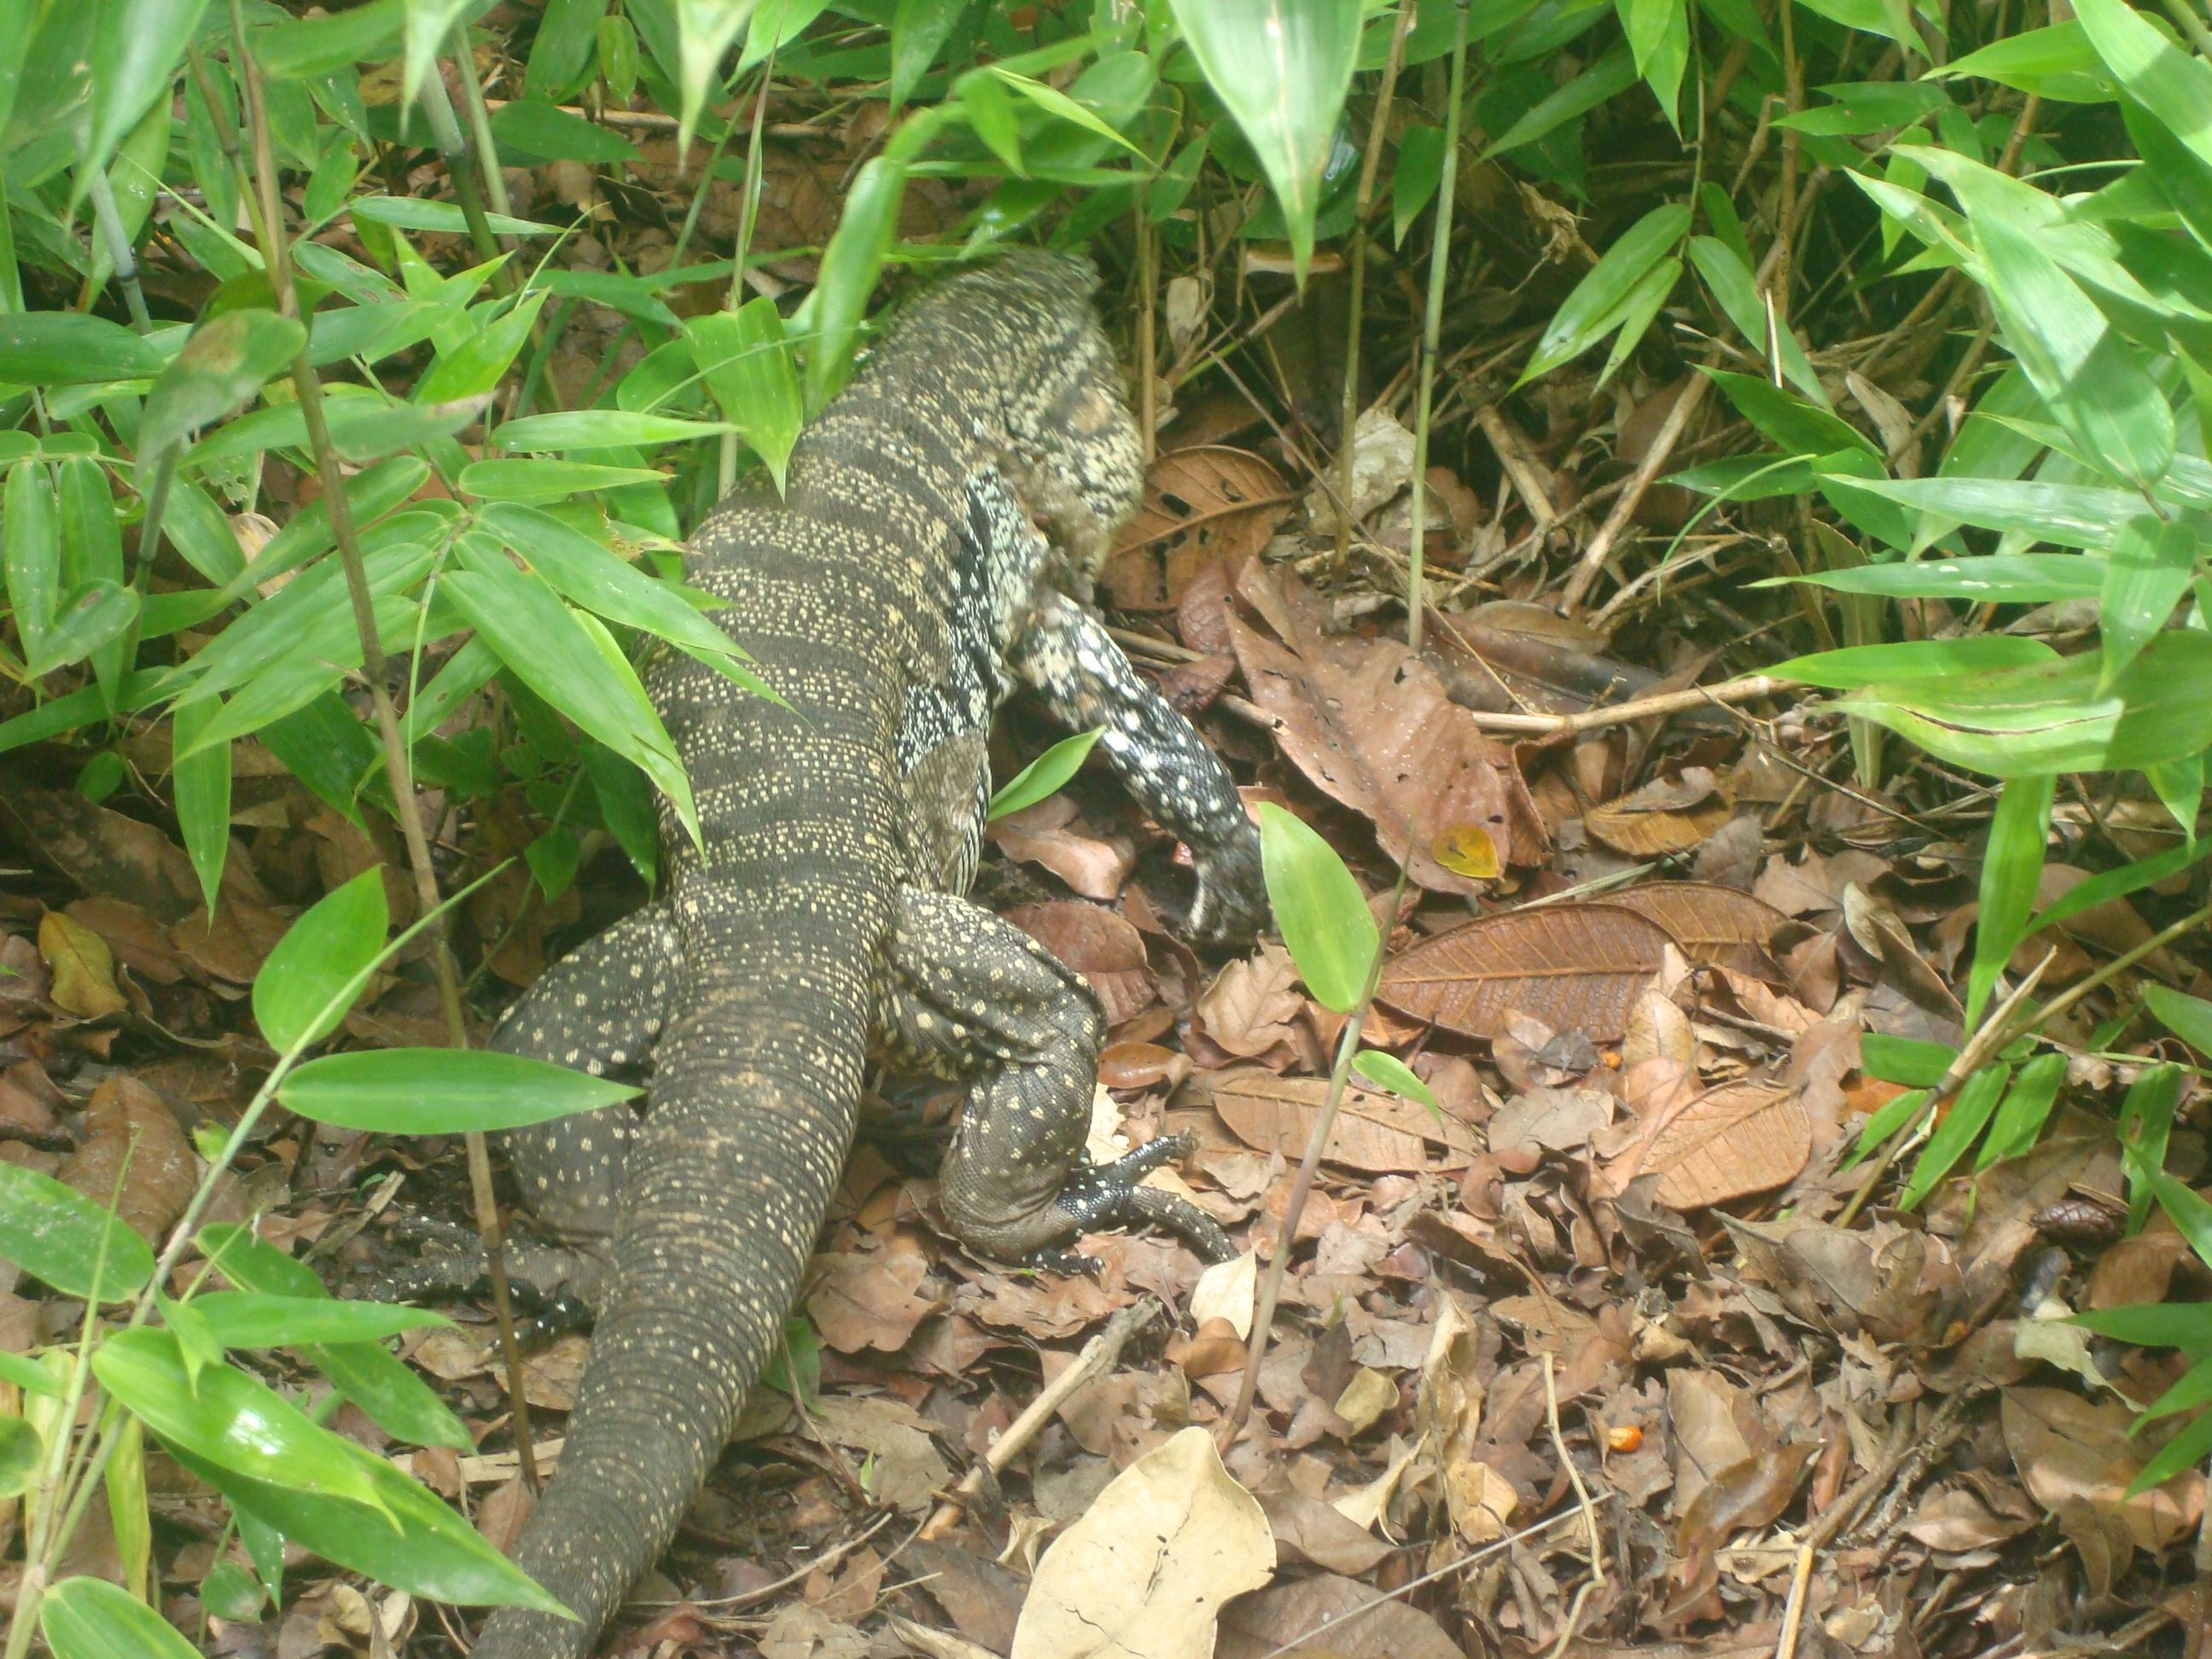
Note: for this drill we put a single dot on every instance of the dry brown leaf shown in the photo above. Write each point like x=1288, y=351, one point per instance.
x=1251, y=1005
x=1100, y=944
x=83, y=967
x=2073, y=1451
x=1713, y=925
x=1144, y=1573
x=871, y=1300
x=1544, y=1119
x=1671, y=815
x=1747, y=1136
x=1049, y=834
x=1375, y=1132
x=1371, y=724
x=1353, y=1621
x=134, y=1157
x=1579, y=966
x=1202, y=506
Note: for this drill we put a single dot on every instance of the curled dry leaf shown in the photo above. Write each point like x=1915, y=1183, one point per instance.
x=1715, y=925
x=1743, y=1137
x=1144, y=1573
x=1250, y=1007
x=1670, y=815
x=1378, y=1133
x=1570, y=966
x=135, y=1156
x=1226, y=1291
x=83, y=967
x=1049, y=834
x=1545, y=1119
x=1100, y=944
x=1203, y=505
x=1371, y=725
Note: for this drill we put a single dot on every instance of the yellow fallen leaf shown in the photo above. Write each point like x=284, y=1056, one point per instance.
x=83, y=967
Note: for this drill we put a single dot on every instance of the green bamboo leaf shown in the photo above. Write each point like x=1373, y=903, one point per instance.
x=2056, y=61
x=229, y=1420
x=59, y=1236
x=1854, y=666
x=2012, y=863
x=2166, y=81
x=1055, y=102
x=128, y=1515
x=308, y=47
x=414, y=213
x=990, y=112
x=438, y=1091
x=1414, y=181
x=90, y=617
x=561, y=56
x=473, y=364
x=21, y=1451
x=601, y=428
x=704, y=32
x=2069, y=515
x=919, y=31
x=1281, y=68
x=299, y=995
x=548, y=481
x=2085, y=370
x=226, y=362
x=1389, y=1071
x=1589, y=314
x=2025, y=1109
x=1955, y=1135
x=554, y=652
x=91, y=1619
x=1994, y=579
x=2146, y=574
x=69, y=348
x=1613, y=73
x=202, y=778
x=137, y=47
x=416, y=1544
x=540, y=130
x=2188, y=1017
x=747, y=366
x=1326, y=924
x=251, y=1319
x=1044, y=775
x=33, y=549
x=397, y=1400
x=849, y=267
x=1909, y=1061
x=2159, y=1325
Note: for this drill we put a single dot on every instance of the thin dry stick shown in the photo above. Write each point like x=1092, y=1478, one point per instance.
x=1432, y=325
x=1348, y=411
x=1793, y=1612
x=1099, y=1357
x=1472, y=1557
x=1747, y=689
x=1271, y=1287
x=277, y=250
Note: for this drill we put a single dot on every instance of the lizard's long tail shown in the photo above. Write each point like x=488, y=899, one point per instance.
x=751, y=1114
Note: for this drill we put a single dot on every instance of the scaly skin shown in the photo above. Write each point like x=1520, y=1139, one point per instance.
x=898, y=594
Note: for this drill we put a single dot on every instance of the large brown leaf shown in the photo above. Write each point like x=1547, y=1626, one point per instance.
x=1375, y=1132
x=1573, y=967
x=1743, y=1137
x=1371, y=725
x=1201, y=505
x=1714, y=925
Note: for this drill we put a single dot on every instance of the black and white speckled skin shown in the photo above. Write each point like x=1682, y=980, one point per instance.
x=908, y=582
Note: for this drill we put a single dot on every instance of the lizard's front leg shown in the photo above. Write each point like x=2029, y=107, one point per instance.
x=1067, y=657
x=977, y=1001
x=600, y=1009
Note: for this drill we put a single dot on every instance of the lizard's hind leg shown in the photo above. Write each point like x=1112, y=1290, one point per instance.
x=977, y=1000
x=600, y=1009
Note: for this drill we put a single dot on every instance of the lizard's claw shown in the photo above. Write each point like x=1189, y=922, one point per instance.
x=1108, y=1194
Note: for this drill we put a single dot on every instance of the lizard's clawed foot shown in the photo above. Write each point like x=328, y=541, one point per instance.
x=1108, y=1194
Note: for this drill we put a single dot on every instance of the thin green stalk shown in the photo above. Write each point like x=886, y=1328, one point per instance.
x=486, y=149
x=1432, y=330
x=109, y=224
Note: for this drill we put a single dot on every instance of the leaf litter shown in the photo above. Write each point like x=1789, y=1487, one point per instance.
x=1599, y=1357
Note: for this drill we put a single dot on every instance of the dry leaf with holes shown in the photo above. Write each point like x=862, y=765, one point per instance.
x=1143, y=1574
x=1202, y=506
x=1715, y=925
x=1669, y=815
x=1570, y=966
x=1372, y=726
x=1748, y=1136
x=83, y=967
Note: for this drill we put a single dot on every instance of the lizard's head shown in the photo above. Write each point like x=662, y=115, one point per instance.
x=1074, y=456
